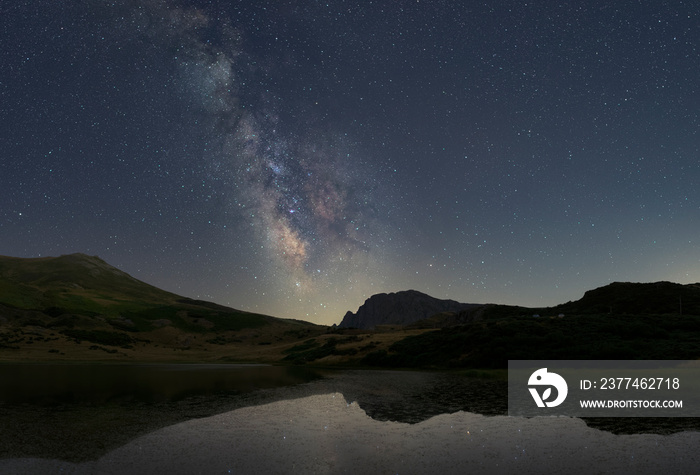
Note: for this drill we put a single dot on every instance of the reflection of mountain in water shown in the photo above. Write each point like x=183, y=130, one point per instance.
x=412, y=397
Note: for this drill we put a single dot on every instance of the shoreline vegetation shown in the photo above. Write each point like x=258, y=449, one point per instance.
x=478, y=345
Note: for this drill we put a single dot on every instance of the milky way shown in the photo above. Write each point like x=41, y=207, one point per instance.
x=295, y=157
x=313, y=207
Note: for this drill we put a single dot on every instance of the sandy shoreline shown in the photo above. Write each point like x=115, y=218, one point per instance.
x=325, y=434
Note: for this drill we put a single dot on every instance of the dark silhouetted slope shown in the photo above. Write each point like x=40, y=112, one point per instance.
x=657, y=298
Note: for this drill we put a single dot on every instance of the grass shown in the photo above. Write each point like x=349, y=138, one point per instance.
x=101, y=337
x=311, y=350
x=486, y=345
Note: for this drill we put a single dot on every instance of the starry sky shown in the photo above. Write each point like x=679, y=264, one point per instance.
x=294, y=158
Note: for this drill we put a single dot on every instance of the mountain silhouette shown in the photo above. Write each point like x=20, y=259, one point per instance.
x=400, y=308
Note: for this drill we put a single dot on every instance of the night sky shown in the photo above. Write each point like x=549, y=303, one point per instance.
x=295, y=157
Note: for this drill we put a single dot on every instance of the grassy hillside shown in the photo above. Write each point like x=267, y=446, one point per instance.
x=76, y=283
x=54, y=307
x=83, y=285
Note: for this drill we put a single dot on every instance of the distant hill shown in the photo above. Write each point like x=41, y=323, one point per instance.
x=401, y=308
x=656, y=298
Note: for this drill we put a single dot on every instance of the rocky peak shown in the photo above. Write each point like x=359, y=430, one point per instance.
x=400, y=308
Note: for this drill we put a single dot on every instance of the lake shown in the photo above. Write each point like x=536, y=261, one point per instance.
x=270, y=419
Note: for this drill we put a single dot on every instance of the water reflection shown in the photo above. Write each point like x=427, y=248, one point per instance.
x=80, y=412
x=413, y=396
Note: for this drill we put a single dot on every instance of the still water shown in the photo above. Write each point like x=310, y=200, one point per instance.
x=267, y=419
